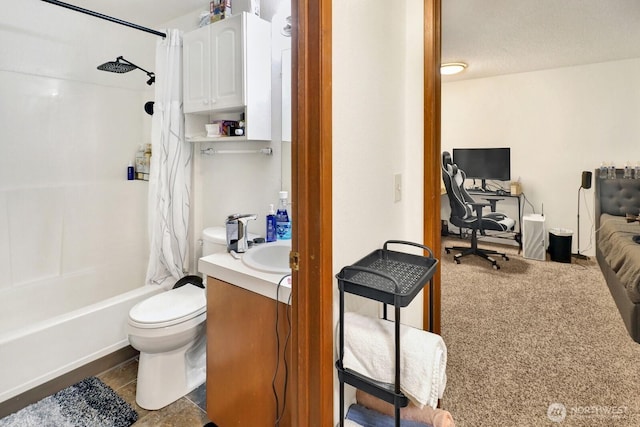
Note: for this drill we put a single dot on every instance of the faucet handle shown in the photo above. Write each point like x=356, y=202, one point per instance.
x=241, y=216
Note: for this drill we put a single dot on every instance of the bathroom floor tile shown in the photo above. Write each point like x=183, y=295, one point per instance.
x=199, y=397
x=182, y=413
x=120, y=375
x=189, y=411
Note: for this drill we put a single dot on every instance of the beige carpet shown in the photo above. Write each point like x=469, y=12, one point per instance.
x=534, y=343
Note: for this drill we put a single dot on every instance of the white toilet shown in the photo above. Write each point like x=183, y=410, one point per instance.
x=169, y=331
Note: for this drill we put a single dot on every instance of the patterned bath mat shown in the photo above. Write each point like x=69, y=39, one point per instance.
x=89, y=403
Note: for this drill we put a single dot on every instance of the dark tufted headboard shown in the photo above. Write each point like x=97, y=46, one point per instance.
x=616, y=196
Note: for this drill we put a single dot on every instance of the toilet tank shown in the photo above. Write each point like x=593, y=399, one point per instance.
x=214, y=240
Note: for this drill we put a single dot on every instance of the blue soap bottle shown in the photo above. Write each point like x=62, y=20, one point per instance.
x=271, y=225
x=283, y=223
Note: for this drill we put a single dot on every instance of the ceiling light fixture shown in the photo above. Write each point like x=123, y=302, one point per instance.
x=451, y=68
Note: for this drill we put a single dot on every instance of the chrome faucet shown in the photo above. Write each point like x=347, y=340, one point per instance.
x=236, y=225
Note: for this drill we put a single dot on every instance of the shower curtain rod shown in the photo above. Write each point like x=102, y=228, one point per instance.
x=106, y=17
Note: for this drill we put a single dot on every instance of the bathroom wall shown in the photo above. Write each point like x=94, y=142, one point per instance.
x=558, y=123
x=377, y=133
x=377, y=127
x=67, y=133
x=243, y=183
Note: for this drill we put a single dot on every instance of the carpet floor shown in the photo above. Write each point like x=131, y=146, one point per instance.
x=535, y=344
x=89, y=403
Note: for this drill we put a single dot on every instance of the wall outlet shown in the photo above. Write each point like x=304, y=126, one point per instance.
x=397, y=187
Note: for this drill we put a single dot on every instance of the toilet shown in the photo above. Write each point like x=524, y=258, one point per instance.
x=169, y=331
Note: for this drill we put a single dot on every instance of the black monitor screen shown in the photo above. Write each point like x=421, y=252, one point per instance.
x=484, y=163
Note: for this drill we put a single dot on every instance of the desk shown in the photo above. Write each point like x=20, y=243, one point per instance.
x=492, y=197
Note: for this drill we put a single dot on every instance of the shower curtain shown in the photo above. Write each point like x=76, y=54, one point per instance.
x=170, y=175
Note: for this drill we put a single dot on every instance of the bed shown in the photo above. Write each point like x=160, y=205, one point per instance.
x=617, y=253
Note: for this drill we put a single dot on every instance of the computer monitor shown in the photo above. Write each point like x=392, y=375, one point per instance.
x=484, y=163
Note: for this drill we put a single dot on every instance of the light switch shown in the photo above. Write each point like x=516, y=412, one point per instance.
x=397, y=187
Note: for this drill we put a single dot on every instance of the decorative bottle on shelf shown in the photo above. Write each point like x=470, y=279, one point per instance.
x=628, y=171
x=271, y=225
x=612, y=171
x=283, y=223
x=603, y=170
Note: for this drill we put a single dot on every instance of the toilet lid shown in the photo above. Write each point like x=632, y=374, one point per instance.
x=174, y=306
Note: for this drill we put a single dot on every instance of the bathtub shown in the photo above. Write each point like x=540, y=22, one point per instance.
x=53, y=342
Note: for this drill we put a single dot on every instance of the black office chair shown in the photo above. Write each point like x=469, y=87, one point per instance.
x=462, y=214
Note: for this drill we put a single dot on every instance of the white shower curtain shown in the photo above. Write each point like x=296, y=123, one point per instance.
x=170, y=175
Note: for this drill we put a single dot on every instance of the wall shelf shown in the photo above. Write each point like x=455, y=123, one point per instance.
x=202, y=138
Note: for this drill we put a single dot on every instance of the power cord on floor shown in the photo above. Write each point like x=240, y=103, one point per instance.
x=280, y=413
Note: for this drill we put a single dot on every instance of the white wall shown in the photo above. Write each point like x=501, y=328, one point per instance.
x=377, y=132
x=558, y=123
x=67, y=134
x=244, y=183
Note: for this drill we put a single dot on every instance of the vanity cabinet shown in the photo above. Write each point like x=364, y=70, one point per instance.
x=242, y=353
x=227, y=74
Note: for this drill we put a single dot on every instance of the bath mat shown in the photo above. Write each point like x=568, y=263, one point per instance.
x=89, y=403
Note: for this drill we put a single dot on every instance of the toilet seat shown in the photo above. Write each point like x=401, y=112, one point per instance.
x=169, y=308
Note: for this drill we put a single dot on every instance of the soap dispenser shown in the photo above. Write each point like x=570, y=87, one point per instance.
x=271, y=225
x=283, y=223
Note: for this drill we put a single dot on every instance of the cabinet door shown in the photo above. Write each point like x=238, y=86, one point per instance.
x=196, y=59
x=227, y=90
x=286, y=95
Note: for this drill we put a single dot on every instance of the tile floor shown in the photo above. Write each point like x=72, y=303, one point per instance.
x=188, y=411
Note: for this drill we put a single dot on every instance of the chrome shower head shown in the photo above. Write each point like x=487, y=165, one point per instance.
x=117, y=66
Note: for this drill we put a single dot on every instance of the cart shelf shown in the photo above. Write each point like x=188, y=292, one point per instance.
x=392, y=278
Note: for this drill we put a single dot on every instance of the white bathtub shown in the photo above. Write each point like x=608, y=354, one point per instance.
x=53, y=343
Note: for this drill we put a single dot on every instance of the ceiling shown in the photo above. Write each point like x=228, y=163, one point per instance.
x=494, y=37
x=497, y=37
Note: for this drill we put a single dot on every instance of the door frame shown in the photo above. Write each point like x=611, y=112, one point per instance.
x=311, y=172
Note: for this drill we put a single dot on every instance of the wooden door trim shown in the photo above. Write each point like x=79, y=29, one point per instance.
x=432, y=147
x=312, y=340
x=313, y=364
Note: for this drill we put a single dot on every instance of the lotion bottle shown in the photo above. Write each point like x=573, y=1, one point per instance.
x=271, y=225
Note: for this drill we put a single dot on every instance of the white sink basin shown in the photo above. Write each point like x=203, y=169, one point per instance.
x=269, y=257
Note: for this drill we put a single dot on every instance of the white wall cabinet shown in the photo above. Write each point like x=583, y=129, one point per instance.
x=227, y=73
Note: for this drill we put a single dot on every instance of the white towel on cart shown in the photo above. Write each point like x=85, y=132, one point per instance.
x=369, y=349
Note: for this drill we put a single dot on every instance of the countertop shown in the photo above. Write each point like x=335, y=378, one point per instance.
x=224, y=267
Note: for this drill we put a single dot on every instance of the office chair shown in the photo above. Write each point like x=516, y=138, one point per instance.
x=462, y=214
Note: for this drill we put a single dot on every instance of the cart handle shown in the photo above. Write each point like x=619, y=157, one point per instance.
x=368, y=270
x=404, y=242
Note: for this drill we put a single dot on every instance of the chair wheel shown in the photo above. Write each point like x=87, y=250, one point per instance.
x=457, y=260
x=447, y=250
x=496, y=267
x=504, y=257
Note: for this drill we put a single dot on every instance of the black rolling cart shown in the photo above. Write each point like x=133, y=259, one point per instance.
x=393, y=278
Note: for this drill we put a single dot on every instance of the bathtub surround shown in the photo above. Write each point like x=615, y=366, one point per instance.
x=89, y=403
x=72, y=228
x=170, y=181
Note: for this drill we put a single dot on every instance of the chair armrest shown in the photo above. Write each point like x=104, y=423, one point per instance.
x=493, y=203
x=478, y=208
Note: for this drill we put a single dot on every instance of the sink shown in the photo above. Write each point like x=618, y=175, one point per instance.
x=269, y=257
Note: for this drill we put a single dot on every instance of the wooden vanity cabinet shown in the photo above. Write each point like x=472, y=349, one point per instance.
x=242, y=357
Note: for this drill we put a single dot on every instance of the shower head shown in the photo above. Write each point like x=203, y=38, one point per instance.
x=121, y=65
x=117, y=66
